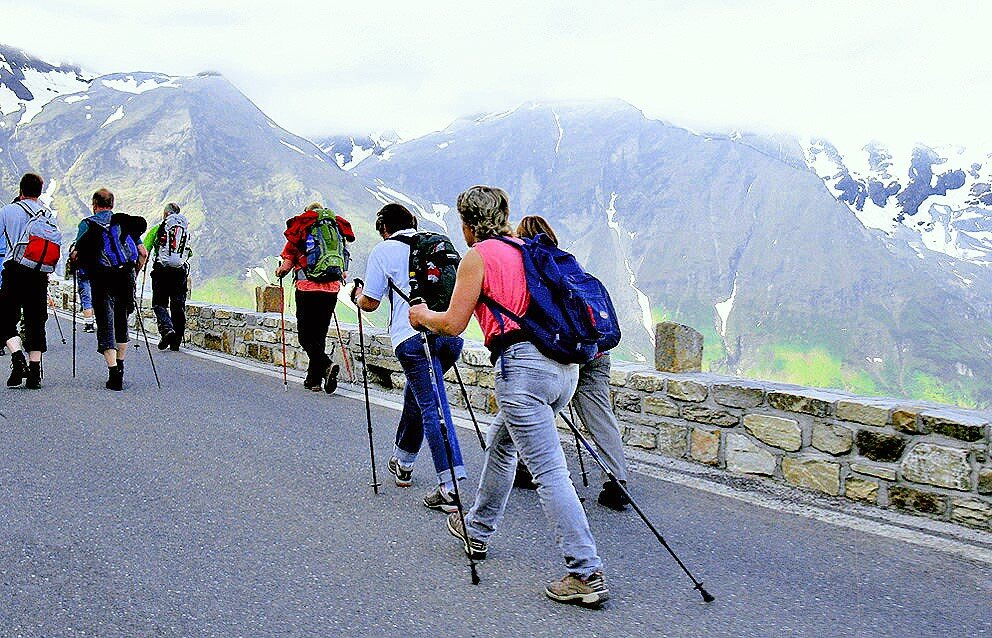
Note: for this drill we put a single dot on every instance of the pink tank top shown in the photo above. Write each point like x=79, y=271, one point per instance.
x=504, y=282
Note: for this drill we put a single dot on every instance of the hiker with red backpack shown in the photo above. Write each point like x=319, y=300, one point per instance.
x=536, y=309
x=32, y=243
x=168, y=243
x=316, y=253
x=409, y=264
x=108, y=247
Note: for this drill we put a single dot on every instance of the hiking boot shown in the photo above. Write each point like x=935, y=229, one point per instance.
x=473, y=548
x=331, y=382
x=166, y=340
x=613, y=497
x=34, y=375
x=573, y=590
x=310, y=380
x=523, y=479
x=402, y=477
x=89, y=327
x=177, y=340
x=18, y=369
x=440, y=500
x=115, y=377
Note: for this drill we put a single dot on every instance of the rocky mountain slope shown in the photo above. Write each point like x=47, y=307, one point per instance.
x=734, y=235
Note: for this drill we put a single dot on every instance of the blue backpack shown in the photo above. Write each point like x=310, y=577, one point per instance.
x=570, y=317
x=114, y=249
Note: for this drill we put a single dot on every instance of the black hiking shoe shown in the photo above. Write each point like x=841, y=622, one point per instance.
x=115, y=378
x=34, y=375
x=402, y=477
x=331, y=382
x=177, y=340
x=166, y=340
x=473, y=548
x=612, y=497
x=441, y=500
x=523, y=479
x=311, y=380
x=18, y=369
x=574, y=590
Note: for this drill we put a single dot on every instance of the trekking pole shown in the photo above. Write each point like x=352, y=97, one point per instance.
x=141, y=324
x=75, y=287
x=471, y=412
x=282, y=314
x=707, y=597
x=344, y=351
x=58, y=323
x=445, y=424
x=578, y=450
x=368, y=409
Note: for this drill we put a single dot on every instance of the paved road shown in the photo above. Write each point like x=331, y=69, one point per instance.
x=225, y=506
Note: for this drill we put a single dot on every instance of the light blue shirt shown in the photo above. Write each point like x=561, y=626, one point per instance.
x=390, y=260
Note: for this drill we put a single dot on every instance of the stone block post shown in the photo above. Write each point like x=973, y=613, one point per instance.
x=677, y=348
x=268, y=299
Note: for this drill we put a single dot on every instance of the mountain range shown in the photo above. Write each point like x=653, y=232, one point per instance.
x=862, y=267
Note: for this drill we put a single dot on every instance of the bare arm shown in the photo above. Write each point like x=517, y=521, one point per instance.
x=468, y=287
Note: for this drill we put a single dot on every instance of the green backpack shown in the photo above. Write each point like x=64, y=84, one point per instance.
x=327, y=255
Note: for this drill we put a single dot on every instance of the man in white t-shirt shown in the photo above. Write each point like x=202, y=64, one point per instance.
x=387, y=271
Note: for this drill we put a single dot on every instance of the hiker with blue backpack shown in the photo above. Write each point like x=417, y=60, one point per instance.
x=317, y=254
x=32, y=248
x=592, y=398
x=108, y=248
x=410, y=264
x=168, y=244
x=538, y=312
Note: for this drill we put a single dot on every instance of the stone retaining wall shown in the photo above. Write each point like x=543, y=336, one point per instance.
x=921, y=458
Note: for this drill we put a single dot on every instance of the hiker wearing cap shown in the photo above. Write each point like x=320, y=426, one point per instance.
x=31, y=241
x=168, y=244
x=591, y=401
x=316, y=254
x=388, y=274
x=108, y=248
x=530, y=389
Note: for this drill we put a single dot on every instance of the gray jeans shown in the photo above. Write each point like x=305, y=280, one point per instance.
x=592, y=404
x=531, y=389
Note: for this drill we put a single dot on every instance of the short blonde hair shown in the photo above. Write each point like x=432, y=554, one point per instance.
x=313, y=206
x=486, y=210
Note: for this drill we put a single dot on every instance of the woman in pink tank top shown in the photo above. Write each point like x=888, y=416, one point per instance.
x=530, y=390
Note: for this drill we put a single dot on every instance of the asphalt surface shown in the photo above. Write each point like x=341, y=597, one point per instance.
x=224, y=505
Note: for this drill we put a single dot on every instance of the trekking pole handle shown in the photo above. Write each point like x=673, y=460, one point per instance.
x=416, y=301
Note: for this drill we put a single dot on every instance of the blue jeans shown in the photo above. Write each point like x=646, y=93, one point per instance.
x=531, y=389
x=85, y=292
x=420, y=407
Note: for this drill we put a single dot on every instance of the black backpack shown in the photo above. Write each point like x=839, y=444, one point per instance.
x=433, y=266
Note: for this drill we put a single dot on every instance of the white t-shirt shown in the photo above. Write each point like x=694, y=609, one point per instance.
x=390, y=260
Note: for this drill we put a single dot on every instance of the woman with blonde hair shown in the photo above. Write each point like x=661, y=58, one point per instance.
x=530, y=390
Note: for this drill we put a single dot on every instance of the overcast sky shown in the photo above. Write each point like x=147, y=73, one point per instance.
x=900, y=71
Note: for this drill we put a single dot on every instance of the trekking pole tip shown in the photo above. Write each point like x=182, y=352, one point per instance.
x=707, y=597
x=475, y=575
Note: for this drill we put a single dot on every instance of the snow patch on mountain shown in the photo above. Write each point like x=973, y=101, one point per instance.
x=724, y=307
x=139, y=85
x=28, y=84
x=116, y=115
x=293, y=147
x=435, y=213
x=942, y=193
x=348, y=151
x=561, y=131
x=642, y=300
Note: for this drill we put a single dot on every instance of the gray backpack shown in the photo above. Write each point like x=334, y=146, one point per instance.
x=171, y=245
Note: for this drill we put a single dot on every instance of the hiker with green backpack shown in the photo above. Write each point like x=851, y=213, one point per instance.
x=317, y=254
x=406, y=265
x=168, y=243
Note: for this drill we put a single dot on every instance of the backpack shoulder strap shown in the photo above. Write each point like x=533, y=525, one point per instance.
x=409, y=240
